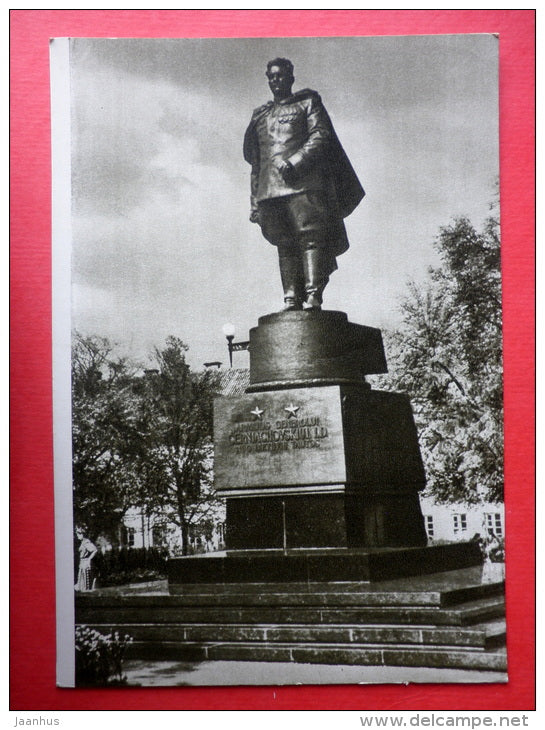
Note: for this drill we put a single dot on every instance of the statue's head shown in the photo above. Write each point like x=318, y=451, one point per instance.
x=281, y=78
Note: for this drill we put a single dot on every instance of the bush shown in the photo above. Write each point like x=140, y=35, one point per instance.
x=129, y=565
x=495, y=549
x=492, y=547
x=99, y=657
x=125, y=577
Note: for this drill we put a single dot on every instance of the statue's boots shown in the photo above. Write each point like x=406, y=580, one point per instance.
x=292, y=275
x=316, y=278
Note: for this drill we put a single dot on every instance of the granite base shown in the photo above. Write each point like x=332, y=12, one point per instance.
x=321, y=565
x=325, y=520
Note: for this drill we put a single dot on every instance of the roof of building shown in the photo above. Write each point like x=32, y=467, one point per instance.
x=234, y=381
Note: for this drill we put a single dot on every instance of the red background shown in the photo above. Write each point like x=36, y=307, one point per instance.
x=32, y=535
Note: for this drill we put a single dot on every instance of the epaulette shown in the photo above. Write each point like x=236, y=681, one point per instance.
x=306, y=94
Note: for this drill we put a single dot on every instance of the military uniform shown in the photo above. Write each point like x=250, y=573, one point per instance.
x=301, y=212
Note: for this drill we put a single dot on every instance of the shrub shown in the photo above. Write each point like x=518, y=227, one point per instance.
x=124, y=577
x=495, y=548
x=99, y=657
x=492, y=547
x=129, y=565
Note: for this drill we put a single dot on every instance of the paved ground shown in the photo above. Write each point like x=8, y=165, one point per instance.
x=173, y=673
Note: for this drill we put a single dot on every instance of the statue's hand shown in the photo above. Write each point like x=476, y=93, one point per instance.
x=287, y=171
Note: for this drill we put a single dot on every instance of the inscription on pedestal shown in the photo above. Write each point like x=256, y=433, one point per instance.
x=302, y=433
x=274, y=439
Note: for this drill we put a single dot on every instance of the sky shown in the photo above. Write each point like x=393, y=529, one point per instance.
x=161, y=241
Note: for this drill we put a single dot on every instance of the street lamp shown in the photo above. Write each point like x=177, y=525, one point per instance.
x=229, y=332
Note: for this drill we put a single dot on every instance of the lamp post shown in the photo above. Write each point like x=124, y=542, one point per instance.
x=229, y=332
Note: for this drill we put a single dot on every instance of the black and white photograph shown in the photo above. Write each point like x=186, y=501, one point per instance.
x=277, y=361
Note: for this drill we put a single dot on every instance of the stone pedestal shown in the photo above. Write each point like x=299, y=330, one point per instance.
x=312, y=348
x=326, y=556
x=310, y=456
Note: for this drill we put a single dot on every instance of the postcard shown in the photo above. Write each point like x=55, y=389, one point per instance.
x=278, y=378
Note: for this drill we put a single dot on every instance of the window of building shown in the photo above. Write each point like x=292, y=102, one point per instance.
x=460, y=523
x=429, y=525
x=131, y=532
x=494, y=524
x=159, y=535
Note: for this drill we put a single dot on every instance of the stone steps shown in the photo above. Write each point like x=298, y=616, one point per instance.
x=357, y=594
x=447, y=620
x=393, y=655
x=481, y=636
x=133, y=612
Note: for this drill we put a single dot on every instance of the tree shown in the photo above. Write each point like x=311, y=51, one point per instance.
x=175, y=470
x=105, y=436
x=447, y=355
x=141, y=442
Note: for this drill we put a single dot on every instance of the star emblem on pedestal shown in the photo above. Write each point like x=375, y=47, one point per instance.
x=257, y=412
x=291, y=410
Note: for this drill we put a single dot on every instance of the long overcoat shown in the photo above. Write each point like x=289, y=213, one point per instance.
x=298, y=130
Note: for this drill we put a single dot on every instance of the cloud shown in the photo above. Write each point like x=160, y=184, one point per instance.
x=134, y=137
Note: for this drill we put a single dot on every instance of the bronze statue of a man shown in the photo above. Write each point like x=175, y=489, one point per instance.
x=302, y=186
